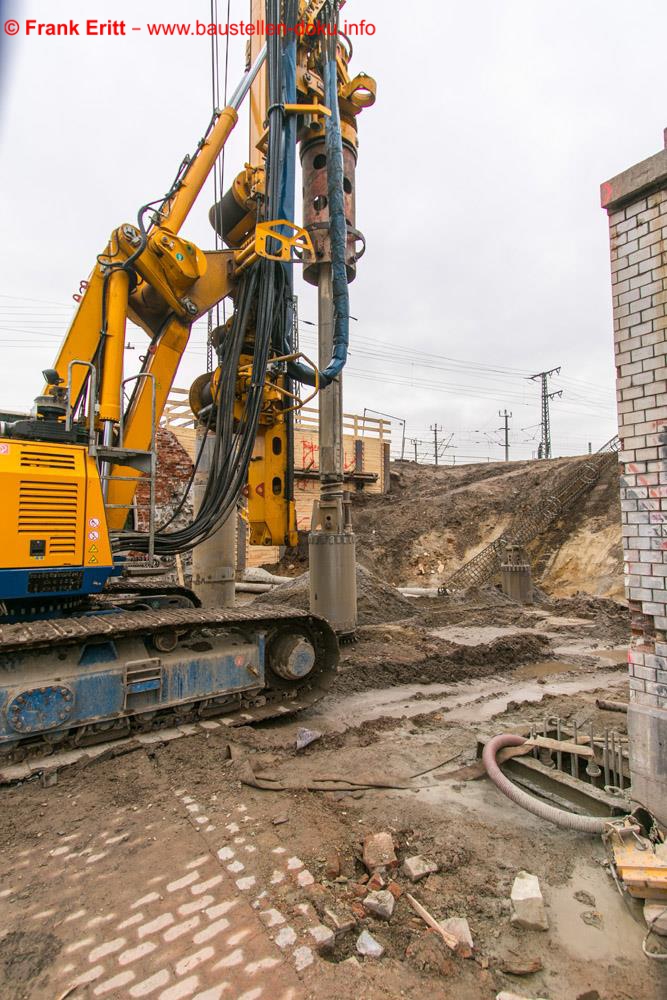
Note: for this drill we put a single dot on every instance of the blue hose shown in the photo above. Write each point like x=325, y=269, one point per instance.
x=338, y=237
x=337, y=228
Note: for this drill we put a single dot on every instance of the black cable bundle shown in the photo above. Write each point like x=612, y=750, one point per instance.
x=263, y=295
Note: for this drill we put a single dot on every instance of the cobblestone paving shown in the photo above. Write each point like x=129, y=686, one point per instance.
x=163, y=901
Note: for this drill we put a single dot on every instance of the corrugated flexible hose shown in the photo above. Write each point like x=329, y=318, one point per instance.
x=569, y=821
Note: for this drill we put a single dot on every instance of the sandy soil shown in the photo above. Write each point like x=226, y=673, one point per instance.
x=435, y=519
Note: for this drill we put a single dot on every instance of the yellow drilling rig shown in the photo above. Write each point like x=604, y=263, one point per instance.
x=88, y=652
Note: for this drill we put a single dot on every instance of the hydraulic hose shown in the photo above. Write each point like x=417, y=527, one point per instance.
x=337, y=221
x=567, y=820
x=337, y=224
x=261, y=308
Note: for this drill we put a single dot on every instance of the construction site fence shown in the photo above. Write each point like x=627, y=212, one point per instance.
x=178, y=415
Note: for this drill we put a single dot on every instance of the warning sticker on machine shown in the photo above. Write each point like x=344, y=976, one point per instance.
x=93, y=535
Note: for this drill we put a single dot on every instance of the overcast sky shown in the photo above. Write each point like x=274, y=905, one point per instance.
x=477, y=190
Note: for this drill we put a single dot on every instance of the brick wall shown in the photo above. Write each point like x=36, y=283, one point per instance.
x=174, y=468
x=636, y=203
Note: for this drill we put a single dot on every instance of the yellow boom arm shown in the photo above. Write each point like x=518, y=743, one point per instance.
x=176, y=283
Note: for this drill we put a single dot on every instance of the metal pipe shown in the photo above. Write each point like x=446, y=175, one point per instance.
x=237, y=98
x=213, y=561
x=559, y=753
x=536, y=752
x=331, y=398
x=614, y=779
x=605, y=757
x=546, y=756
x=332, y=548
x=208, y=152
x=91, y=401
x=105, y=467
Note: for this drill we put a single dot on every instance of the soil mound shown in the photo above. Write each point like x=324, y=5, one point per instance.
x=376, y=601
x=437, y=518
x=382, y=667
x=487, y=595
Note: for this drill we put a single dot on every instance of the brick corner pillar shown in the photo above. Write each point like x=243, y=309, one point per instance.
x=636, y=203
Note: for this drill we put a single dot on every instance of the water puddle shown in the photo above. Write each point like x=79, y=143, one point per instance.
x=554, y=621
x=618, y=655
x=583, y=647
x=545, y=668
x=467, y=702
x=612, y=931
x=474, y=635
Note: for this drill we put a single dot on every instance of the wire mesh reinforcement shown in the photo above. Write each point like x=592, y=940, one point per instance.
x=528, y=524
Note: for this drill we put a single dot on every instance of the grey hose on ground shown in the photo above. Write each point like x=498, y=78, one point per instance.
x=569, y=821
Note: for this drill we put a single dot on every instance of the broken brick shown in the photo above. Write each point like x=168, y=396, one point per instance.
x=379, y=851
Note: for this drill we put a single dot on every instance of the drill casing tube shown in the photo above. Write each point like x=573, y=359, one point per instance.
x=332, y=560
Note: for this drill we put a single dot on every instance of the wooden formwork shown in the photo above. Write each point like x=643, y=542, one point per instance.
x=180, y=420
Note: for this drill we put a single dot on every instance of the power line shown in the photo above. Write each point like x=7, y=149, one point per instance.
x=506, y=417
x=589, y=394
x=435, y=428
x=545, y=445
x=500, y=370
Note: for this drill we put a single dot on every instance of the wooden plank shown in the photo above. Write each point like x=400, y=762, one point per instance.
x=258, y=555
x=449, y=939
x=549, y=744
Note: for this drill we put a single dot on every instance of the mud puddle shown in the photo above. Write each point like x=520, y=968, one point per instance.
x=546, y=668
x=478, y=799
x=468, y=702
x=596, y=931
x=617, y=654
x=475, y=635
x=558, y=622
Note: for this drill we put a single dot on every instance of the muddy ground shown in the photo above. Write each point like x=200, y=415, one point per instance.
x=167, y=873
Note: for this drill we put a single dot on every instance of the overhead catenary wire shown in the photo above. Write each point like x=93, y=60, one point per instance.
x=370, y=347
x=480, y=381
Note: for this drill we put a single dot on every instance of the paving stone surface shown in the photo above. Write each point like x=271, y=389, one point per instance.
x=187, y=905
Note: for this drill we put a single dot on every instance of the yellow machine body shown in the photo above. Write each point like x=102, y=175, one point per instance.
x=271, y=512
x=161, y=282
x=272, y=517
x=53, y=528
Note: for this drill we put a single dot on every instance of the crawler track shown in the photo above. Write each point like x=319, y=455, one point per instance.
x=277, y=698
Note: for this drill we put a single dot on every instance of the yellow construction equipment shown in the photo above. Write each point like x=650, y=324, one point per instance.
x=70, y=469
